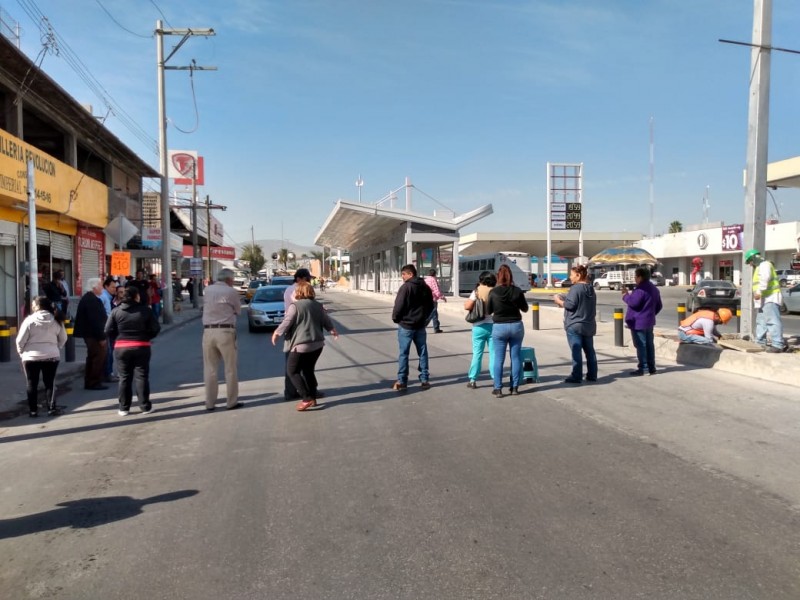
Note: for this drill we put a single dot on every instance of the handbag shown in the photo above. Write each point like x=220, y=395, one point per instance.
x=477, y=313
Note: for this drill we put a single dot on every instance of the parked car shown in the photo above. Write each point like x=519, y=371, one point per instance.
x=562, y=283
x=252, y=287
x=266, y=308
x=791, y=299
x=788, y=276
x=713, y=294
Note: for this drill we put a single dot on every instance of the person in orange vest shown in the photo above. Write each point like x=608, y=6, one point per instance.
x=701, y=327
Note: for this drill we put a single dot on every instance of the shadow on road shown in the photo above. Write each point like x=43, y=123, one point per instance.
x=85, y=513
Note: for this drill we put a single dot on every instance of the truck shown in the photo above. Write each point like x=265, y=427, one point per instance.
x=614, y=280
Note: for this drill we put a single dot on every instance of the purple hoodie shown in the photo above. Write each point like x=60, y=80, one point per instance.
x=644, y=303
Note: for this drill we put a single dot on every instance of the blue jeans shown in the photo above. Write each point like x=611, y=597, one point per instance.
x=645, y=349
x=404, y=339
x=434, y=317
x=481, y=335
x=768, y=322
x=507, y=335
x=579, y=345
x=693, y=338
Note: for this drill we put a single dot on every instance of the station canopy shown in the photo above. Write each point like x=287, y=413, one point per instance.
x=563, y=243
x=354, y=226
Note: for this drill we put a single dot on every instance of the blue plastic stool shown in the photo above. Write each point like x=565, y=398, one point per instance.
x=530, y=368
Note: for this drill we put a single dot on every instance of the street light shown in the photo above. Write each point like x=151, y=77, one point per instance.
x=359, y=185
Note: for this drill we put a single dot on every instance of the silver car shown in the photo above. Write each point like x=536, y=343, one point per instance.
x=266, y=308
x=791, y=299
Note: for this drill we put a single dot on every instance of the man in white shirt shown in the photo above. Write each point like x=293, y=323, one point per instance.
x=221, y=308
x=767, y=300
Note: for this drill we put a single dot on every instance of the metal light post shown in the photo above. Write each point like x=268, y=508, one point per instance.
x=359, y=185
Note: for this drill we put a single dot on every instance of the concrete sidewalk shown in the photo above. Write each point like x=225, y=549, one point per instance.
x=778, y=368
x=13, y=396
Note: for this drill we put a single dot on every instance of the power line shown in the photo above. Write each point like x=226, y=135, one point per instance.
x=120, y=25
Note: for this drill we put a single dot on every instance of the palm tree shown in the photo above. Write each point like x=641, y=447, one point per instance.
x=253, y=254
x=675, y=227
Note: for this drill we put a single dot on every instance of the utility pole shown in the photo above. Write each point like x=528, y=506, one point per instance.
x=209, y=208
x=195, y=247
x=755, y=196
x=166, y=255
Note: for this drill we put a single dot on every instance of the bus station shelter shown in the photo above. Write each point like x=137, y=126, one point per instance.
x=380, y=240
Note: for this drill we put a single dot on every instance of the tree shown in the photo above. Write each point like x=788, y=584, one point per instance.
x=675, y=227
x=253, y=254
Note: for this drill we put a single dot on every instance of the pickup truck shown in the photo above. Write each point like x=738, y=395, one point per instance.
x=788, y=277
x=613, y=280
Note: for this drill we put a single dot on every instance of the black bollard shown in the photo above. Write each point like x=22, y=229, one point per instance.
x=681, y=312
x=619, y=339
x=5, y=343
x=69, y=348
x=535, y=315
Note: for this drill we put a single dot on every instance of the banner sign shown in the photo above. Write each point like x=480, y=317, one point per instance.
x=217, y=252
x=120, y=263
x=732, y=238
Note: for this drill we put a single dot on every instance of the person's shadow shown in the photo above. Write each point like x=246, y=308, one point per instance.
x=84, y=513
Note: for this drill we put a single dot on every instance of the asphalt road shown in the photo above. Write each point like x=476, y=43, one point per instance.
x=678, y=486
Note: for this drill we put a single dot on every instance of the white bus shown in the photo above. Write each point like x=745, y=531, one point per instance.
x=470, y=267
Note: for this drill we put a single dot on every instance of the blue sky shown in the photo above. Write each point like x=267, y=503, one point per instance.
x=470, y=99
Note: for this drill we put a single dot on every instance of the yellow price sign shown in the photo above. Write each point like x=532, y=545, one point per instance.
x=120, y=263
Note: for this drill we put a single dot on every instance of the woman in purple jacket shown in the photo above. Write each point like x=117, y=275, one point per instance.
x=644, y=303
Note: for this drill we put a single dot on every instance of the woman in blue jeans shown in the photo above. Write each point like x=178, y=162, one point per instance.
x=506, y=305
x=580, y=323
x=481, y=330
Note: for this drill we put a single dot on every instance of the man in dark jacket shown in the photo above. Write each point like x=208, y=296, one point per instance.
x=412, y=308
x=90, y=323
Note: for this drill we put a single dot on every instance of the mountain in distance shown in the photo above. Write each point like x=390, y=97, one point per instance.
x=270, y=246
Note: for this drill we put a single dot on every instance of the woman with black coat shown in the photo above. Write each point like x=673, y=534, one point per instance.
x=506, y=305
x=132, y=325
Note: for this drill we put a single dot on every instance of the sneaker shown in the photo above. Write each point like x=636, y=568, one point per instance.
x=498, y=393
x=572, y=380
x=774, y=350
x=653, y=372
x=53, y=412
x=472, y=385
x=146, y=410
x=591, y=378
x=437, y=331
x=425, y=385
x=306, y=404
x=636, y=373
x=514, y=391
x=399, y=387
x=123, y=413
x=33, y=414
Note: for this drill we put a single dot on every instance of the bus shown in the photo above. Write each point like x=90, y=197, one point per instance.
x=470, y=267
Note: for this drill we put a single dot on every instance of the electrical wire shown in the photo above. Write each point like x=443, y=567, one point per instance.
x=194, y=103
x=161, y=12
x=120, y=25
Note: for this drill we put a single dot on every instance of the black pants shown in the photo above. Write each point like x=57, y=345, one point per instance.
x=95, y=362
x=300, y=368
x=133, y=368
x=289, y=390
x=48, y=370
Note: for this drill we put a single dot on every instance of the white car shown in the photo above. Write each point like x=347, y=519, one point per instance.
x=610, y=280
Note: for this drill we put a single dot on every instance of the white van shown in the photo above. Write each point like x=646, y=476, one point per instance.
x=613, y=280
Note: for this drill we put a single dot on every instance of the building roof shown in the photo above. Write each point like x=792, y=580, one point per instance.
x=784, y=173
x=45, y=96
x=562, y=243
x=352, y=225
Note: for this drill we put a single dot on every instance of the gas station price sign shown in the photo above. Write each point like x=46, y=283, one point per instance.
x=565, y=215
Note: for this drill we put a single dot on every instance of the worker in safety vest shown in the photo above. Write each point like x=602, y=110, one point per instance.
x=767, y=298
x=701, y=327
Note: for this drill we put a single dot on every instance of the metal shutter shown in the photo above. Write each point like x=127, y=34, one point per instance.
x=42, y=236
x=60, y=246
x=90, y=265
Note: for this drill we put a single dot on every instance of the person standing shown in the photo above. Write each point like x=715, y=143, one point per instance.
x=506, y=305
x=644, y=303
x=289, y=391
x=132, y=325
x=701, y=327
x=108, y=296
x=481, y=330
x=142, y=285
x=90, y=323
x=431, y=282
x=580, y=323
x=304, y=325
x=412, y=308
x=767, y=299
x=58, y=294
x=221, y=308
x=39, y=344
x=154, y=295
x=190, y=289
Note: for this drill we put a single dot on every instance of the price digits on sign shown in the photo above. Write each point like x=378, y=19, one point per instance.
x=730, y=241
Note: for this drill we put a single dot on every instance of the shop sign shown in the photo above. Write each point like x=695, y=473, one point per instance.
x=732, y=238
